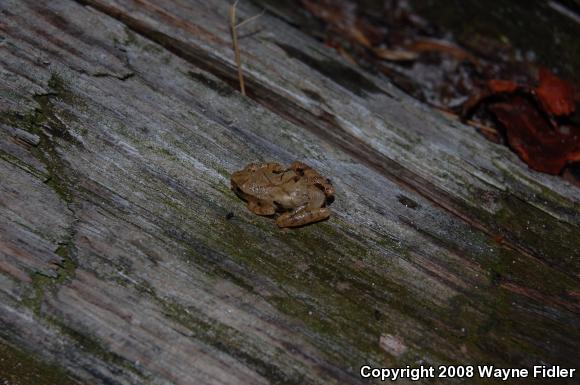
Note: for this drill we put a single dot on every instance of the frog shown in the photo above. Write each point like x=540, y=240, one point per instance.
x=296, y=195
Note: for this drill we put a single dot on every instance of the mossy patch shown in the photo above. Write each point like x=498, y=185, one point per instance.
x=49, y=127
x=20, y=368
x=230, y=342
x=52, y=132
x=22, y=165
x=313, y=281
x=42, y=283
x=91, y=345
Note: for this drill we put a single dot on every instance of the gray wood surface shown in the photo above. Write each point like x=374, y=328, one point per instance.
x=120, y=125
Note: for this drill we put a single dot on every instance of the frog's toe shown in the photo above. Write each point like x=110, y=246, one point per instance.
x=302, y=217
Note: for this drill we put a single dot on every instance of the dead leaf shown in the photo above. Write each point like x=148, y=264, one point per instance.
x=532, y=137
x=432, y=45
x=554, y=94
x=395, y=55
x=497, y=86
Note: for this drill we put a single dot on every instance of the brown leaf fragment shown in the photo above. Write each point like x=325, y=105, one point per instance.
x=358, y=36
x=532, y=137
x=442, y=47
x=395, y=55
x=556, y=96
x=497, y=86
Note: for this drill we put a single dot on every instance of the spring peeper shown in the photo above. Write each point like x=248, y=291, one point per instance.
x=298, y=195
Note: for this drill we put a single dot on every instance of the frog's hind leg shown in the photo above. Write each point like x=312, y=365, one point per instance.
x=261, y=207
x=302, y=216
x=313, y=177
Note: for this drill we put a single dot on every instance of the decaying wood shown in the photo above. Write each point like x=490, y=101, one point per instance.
x=120, y=126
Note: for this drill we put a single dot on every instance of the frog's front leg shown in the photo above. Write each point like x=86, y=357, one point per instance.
x=302, y=216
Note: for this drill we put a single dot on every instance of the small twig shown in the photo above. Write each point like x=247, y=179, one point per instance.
x=470, y=122
x=250, y=19
x=482, y=127
x=234, y=30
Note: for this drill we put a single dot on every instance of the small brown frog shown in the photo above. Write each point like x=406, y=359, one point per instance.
x=298, y=193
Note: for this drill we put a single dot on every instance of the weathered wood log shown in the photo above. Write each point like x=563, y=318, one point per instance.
x=120, y=126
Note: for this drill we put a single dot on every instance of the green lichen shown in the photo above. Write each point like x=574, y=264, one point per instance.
x=131, y=37
x=35, y=297
x=522, y=226
x=309, y=279
x=229, y=341
x=222, y=171
x=162, y=152
x=551, y=240
x=5, y=156
x=44, y=122
x=20, y=368
x=42, y=283
x=92, y=345
x=36, y=122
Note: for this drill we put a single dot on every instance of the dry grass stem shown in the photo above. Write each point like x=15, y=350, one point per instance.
x=250, y=19
x=234, y=30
